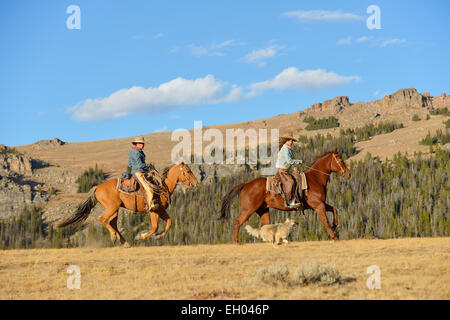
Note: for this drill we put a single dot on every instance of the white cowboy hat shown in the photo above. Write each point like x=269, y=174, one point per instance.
x=288, y=137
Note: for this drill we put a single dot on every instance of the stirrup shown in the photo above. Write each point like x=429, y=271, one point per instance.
x=154, y=206
x=293, y=205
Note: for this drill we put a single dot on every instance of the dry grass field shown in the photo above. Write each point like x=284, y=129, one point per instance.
x=412, y=268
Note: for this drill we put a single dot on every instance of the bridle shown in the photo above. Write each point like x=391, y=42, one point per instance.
x=339, y=164
x=183, y=184
x=329, y=174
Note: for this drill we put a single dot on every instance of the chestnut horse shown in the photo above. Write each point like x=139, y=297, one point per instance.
x=255, y=198
x=112, y=199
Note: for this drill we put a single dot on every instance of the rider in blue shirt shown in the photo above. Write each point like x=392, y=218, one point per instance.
x=136, y=161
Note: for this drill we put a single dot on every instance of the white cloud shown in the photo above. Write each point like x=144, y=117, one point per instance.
x=215, y=49
x=198, y=51
x=177, y=92
x=227, y=43
x=391, y=41
x=308, y=80
x=323, y=15
x=258, y=56
x=372, y=42
x=158, y=35
x=347, y=40
x=180, y=92
x=362, y=39
x=174, y=50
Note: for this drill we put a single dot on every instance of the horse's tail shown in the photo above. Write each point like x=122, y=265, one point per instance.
x=83, y=210
x=228, y=199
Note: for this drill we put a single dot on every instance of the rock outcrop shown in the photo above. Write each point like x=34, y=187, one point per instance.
x=11, y=160
x=407, y=98
x=399, y=106
x=333, y=105
x=443, y=101
x=42, y=144
x=18, y=188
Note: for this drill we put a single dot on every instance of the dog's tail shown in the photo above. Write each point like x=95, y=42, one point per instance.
x=252, y=231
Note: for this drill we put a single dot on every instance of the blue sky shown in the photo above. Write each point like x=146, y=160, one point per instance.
x=136, y=67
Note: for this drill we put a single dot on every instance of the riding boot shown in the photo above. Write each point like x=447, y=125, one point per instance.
x=149, y=202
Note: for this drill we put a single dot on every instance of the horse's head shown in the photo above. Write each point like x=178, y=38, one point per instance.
x=337, y=165
x=184, y=175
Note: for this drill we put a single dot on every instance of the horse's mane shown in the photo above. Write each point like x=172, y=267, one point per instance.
x=323, y=155
x=166, y=172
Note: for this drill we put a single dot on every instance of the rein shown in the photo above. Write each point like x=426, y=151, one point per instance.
x=328, y=174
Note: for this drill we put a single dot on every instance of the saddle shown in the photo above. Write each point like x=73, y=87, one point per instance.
x=274, y=185
x=131, y=186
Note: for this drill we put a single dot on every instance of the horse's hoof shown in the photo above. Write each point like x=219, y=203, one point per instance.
x=139, y=236
x=335, y=239
x=126, y=245
x=159, y=235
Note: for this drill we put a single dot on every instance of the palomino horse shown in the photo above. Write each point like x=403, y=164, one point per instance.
x=255, y=198
x=112, y=199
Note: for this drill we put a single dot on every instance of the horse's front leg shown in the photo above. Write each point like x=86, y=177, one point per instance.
x=321, y=212
x=165, y=216
x=335, y=215
x=154, y=219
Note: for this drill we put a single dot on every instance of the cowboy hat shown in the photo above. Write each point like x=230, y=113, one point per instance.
x=287, y=138
x=138, y=140
x=283, y=139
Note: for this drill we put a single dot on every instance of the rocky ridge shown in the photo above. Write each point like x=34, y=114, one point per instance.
x=25, y=181
x=399, y=106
